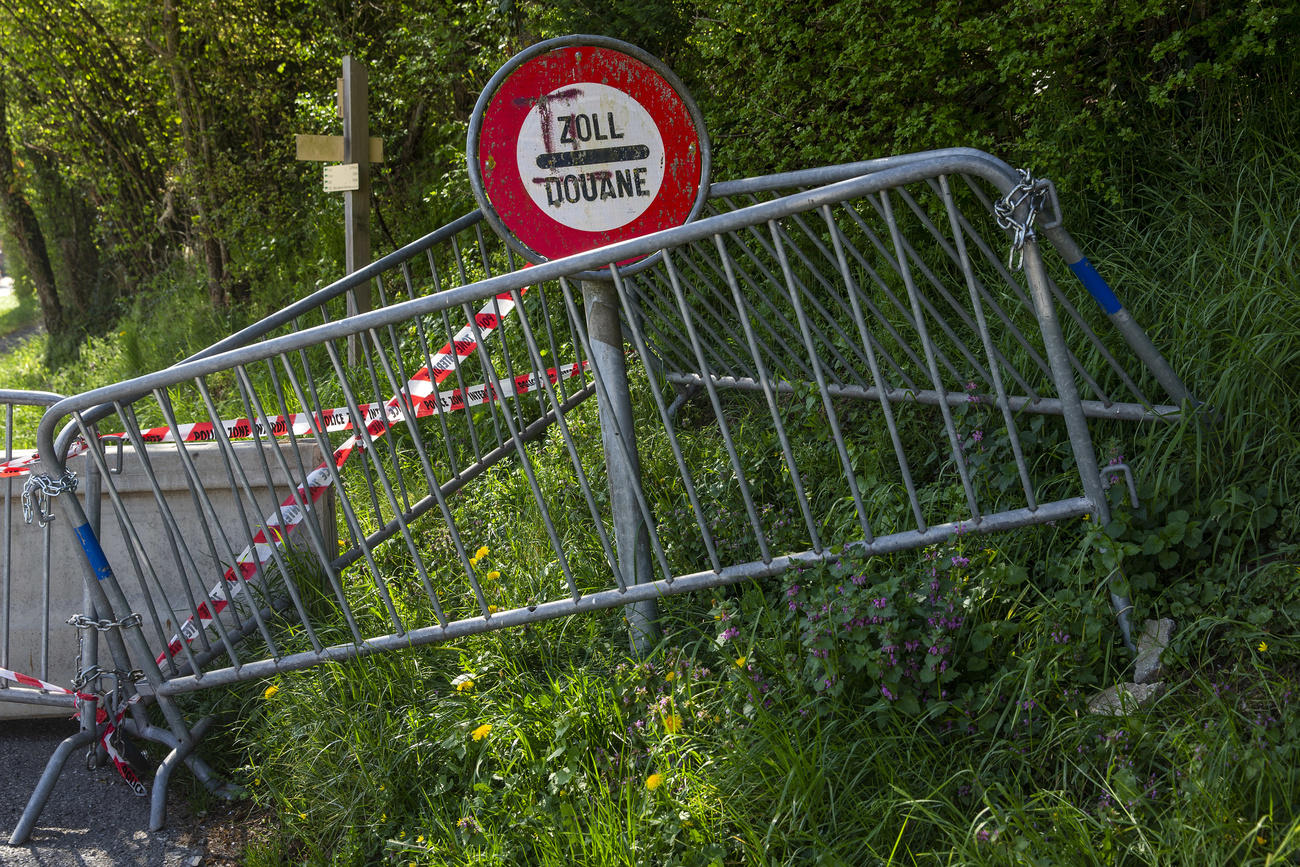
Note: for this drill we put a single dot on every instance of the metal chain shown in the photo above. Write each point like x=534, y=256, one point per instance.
x=37, y=491
x=81, y=621
x=1028, y=190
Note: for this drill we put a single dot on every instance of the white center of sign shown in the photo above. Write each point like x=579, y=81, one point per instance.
x=591, y=157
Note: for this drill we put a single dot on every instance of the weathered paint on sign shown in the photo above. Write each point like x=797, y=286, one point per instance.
x=585, y=145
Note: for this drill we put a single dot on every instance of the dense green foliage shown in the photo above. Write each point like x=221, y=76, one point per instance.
x=147, y=134
x=755, y=735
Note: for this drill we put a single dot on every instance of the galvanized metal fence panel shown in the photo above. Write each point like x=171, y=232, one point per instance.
x=865, y=363
x=27, y=615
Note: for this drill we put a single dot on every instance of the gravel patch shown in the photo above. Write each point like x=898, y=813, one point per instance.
x=92, y=819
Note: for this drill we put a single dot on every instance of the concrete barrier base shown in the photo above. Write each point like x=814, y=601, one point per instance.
x=34, y=636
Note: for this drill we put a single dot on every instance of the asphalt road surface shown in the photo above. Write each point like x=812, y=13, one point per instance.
x=91, y=820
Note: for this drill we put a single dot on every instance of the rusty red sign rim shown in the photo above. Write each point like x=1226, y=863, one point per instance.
x=554, y=177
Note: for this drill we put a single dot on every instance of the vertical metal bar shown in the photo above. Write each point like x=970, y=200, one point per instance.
x=665, y=417
x=88, y=639
x=9, y=536
x=47, y=539
x=924, y=332
x=886, y=407
x=832, y=417
x=302, y=499
x=574, y=456
x=622, y=463
x=769, y=393
x=998, y=389
x=526, y=464
x=723, y=427
x=1076, y=423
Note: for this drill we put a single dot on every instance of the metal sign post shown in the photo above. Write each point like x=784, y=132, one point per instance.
x=576, y=143
x=352, y=178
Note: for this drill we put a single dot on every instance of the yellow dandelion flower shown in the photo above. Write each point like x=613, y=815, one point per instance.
x=1263, y=647
x=383, y=817
x=419, y=839
x=481, y=553
x=481, y=732
x=672, y=723
x=302, y=815
x=492, y=609
x=465, y=685
x=670, y=676
x=493, y=575
x=1261, y=840
x=741, y=660
x=270, y=691
x=654, y=781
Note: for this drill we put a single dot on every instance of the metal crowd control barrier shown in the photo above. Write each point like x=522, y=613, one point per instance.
x=37, y=598
x=830, y=323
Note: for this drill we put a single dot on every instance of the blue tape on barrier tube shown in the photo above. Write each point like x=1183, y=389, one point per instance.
x=1096, y=286
x=94, y=553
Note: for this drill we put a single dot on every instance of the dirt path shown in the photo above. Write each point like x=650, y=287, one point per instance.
x=91, y=820
x=9, y=341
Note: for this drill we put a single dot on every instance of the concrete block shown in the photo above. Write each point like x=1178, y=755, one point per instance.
x=25, y=624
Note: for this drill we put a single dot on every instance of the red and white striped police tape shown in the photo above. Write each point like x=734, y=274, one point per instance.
x=101, y=718
x=421, y=389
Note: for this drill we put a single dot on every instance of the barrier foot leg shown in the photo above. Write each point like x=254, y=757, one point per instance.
x=1122, y=607
x=180, y=752
x=46, y=785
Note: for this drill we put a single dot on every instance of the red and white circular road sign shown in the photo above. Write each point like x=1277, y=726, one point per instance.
x=583, y=141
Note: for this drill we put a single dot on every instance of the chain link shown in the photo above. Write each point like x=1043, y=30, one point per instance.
x=81, y=621
x=1029, y=191
x=37, y=491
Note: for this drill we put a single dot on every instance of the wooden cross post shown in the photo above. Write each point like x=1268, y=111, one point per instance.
x=352, y=178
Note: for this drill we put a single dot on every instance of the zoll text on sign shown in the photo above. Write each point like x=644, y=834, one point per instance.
x=584, y=141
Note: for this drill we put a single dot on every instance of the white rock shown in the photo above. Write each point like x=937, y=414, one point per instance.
x=1124, y=698
x=1151, y=643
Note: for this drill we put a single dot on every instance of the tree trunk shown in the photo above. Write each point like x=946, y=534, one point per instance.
x=196, y=154
x=25, y=229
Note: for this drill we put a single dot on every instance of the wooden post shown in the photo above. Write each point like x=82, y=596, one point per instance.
x=356, y=202
x=356, y=150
